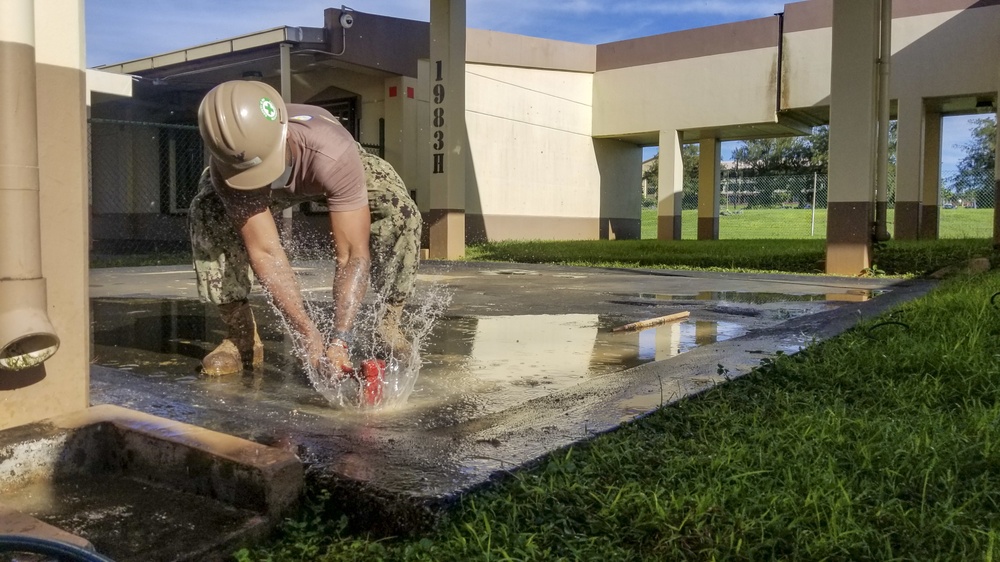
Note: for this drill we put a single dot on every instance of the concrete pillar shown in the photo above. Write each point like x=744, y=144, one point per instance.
x=448, y=136
x=61, y=385
x=709, y=185
x=853, y=96
x=909, y=156
x=671, y=187
x=930, y=178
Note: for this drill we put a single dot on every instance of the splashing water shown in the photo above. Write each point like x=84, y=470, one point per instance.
x=401, y=368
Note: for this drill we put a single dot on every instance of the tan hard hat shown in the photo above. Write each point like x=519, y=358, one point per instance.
x=243, y=124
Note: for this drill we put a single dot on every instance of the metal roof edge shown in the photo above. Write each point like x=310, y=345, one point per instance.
x=275, y=35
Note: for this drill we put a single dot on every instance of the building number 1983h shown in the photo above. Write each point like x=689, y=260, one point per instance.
x=437, y=122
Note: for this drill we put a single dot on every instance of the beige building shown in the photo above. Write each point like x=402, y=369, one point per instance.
x=553, y=131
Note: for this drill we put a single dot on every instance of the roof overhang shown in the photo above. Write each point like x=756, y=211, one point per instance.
x=174, y=82
x=102, y=86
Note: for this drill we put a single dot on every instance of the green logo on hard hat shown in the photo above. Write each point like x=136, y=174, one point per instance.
x=268, y=108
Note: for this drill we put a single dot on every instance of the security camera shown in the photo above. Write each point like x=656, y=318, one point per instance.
x=346, y=20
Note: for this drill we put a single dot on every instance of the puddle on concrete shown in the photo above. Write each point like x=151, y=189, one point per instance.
x=471, y=364
x=503, y=360
x=750, y=297
x=510, y=272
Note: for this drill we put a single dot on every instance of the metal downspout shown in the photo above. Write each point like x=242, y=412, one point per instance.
x=26, y=336
x=781, y=56
x=882, y=146
x=285, y=70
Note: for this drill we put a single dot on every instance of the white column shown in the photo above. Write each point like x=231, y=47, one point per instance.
x=671, y=187
x=909, y=163
x=930, y=177
x=853, y=95
x=709, y=183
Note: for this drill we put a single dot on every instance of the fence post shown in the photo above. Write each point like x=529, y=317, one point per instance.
x=812, y=231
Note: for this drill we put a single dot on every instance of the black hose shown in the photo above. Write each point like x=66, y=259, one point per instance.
x=993, y=300
x=64, y=552
x=889, y=323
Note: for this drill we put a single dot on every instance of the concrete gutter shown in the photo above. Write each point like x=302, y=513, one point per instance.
x=140, y=487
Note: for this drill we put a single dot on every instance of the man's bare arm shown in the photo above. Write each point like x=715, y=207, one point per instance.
x=274, y=272
x=351, y=231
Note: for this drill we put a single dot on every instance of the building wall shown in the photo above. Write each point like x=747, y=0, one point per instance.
x=534, y=169
x=727, y=76
x=526, y=127
x=962, y=48
x=934, y=54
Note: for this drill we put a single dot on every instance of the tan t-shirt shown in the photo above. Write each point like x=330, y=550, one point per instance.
x=326, y=164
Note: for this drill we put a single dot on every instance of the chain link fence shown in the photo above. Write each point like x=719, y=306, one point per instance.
x=143, y=177
x=778, y=206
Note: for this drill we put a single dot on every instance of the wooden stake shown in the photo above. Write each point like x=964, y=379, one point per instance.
x=652, y=322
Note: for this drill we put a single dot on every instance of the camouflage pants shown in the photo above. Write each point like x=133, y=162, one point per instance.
x=223, y=267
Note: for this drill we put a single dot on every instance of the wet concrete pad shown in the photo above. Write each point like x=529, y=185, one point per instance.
x=522, y=363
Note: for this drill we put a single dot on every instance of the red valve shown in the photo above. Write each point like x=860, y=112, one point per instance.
x=373, y=382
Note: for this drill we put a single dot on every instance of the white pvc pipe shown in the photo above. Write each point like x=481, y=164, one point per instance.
x=26, y=336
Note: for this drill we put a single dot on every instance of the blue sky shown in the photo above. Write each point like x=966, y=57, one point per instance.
x=121, y=30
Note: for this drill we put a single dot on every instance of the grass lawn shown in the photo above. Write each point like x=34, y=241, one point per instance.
x=786, y=256
x=799, y=223
x=880, y=444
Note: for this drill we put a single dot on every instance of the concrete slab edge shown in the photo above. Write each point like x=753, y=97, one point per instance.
x=193, y=459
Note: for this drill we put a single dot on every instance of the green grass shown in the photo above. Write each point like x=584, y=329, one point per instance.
x=880, y=444
x=799, y=223
x=785, y=232
x=788, y=256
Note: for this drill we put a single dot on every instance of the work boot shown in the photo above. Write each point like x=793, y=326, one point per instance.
x=390, y=332
x=242, y=346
